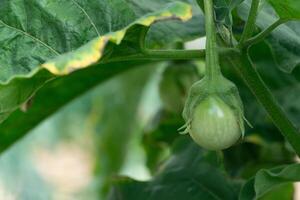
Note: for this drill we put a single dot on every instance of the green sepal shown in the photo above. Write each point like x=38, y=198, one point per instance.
x=183, y=130
x=221, y=87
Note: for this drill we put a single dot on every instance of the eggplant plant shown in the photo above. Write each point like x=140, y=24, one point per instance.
x=220, y=122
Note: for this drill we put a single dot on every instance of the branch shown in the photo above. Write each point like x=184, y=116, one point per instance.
x=261, y=36
x=247, y=71
x=161, y=55
x=250, y=24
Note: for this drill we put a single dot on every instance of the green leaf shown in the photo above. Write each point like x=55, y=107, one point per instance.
x=19, y=85
x=243, y=161
x=93, y=51
x=284, y=191
x=174, y=30
x=267, y=179
x=284, y=86
x=54, y=96
x=287, y=9
x=55, y=27
x=284, y=40
x=190, y=174
x=66, y=25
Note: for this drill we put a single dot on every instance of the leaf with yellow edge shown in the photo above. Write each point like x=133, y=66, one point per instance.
x=26, y=90
x=93, y=51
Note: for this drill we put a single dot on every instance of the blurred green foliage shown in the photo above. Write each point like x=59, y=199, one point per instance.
x=117, y=138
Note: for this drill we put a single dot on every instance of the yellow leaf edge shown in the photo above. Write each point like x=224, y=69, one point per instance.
x=92, y=52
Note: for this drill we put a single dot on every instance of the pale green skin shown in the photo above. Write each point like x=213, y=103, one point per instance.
x=214, y=125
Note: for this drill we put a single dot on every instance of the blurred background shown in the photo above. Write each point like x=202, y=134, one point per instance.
x=72, y=154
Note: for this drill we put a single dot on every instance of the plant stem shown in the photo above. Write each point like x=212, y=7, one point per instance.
x=212, y=58
x=252, y=78
x=259, y=37
x=250, y=24
x=169, y=55
x=174, y=54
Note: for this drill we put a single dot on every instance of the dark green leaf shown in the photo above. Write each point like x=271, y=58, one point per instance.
x=285, y=87
x=243, y=161
x=190, y=174
x=286, y=9
x=54, y=96
x=284, y=191
x=164, y=34
x=284, y=40
x=267, y=179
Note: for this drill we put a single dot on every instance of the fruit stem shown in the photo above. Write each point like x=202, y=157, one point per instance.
x=212, y=58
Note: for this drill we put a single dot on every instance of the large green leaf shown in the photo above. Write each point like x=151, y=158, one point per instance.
x=190, y=174
x=54, y=96
x=34, y=31
x=162, y=34
x=19, y=87
x=267, y=179
x=284, y=40
x=127, y=39
x=287, y=9
x=26, y=46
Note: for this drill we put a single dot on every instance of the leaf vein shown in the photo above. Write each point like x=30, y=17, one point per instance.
x=210, y=192
x=86, y=14
x=30, y=36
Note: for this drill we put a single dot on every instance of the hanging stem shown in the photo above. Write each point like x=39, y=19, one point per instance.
x=250, y=24
x=212, y=59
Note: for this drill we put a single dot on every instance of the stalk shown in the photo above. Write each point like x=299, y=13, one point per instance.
x=212, y=58
x=244, y=66
x=250, y=24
